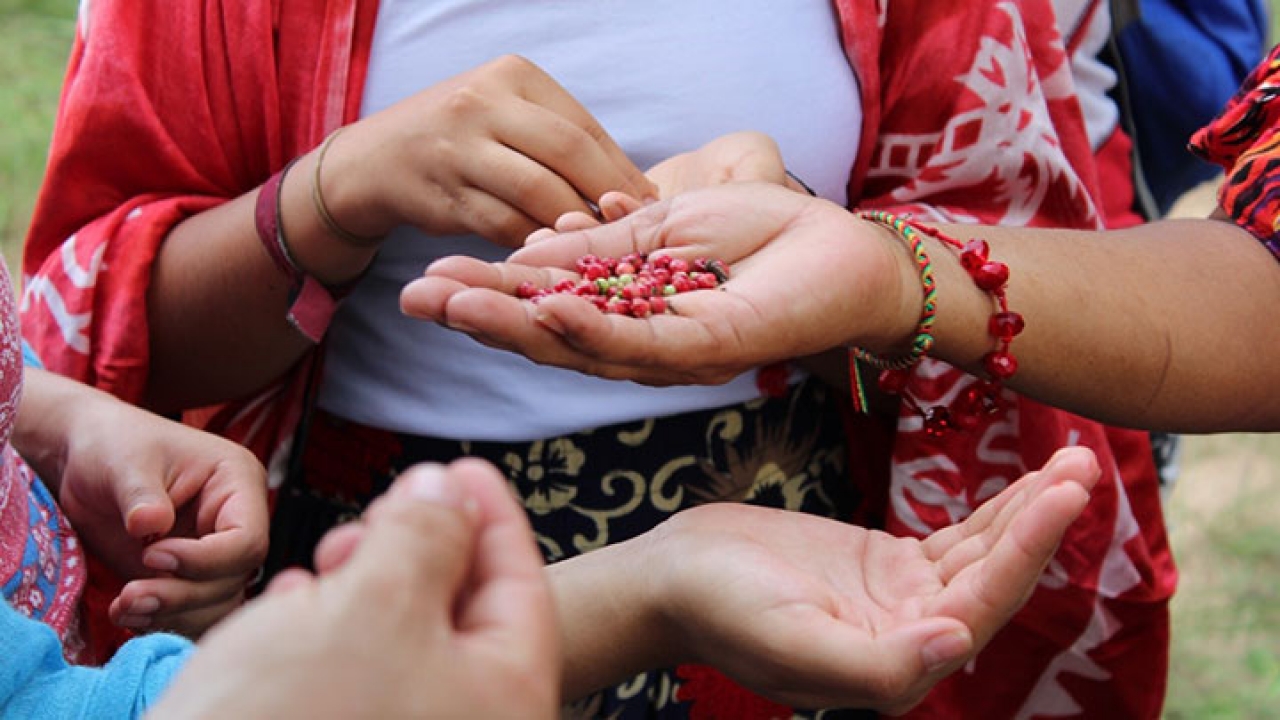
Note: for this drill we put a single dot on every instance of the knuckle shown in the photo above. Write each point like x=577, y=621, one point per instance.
x=463, y=101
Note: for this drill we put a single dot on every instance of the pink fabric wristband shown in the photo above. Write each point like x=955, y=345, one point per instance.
x=311, y=303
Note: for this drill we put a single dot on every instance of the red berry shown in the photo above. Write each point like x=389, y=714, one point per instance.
x=641, y=308
x=526, y=290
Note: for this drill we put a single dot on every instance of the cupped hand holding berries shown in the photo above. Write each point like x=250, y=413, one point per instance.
x=805, y=276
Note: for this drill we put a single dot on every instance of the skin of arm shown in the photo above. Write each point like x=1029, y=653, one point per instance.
x=1161, y=326
x=497, y=151
x=1158, y=326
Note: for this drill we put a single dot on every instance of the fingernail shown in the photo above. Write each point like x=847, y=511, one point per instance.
x=539, y=235
x=427, y=482
x=136, y=622
x=144, y=606
x=942, y=650
x=551, y=322
x=159, y=560
x=460, y=327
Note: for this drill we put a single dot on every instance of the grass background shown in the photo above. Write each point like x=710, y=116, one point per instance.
x=1223, y=514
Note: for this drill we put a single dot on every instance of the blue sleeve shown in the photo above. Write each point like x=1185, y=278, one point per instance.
x=1183, y=60
x=37, y=682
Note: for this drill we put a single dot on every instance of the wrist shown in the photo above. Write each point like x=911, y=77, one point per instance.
x=608, y=617
x=313, y=248
x=900, y=297
x=50, y=407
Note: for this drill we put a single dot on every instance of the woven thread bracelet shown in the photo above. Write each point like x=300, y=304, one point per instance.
x=311, y=304
x=322, y=209
x=983, y=398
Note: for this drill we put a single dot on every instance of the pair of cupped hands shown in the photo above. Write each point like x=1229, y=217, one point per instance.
x=505, y=152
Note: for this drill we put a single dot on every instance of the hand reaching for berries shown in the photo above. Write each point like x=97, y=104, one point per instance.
x=740, y=157
x=805, y=276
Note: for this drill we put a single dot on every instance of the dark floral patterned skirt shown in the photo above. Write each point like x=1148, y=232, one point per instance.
x=589, y=489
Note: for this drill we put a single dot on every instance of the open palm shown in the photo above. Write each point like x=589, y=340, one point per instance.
x=819, y=613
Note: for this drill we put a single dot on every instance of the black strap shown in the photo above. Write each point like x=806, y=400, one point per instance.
x=1124, y=12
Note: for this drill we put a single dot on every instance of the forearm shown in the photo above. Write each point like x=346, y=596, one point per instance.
x=610, y=630
x=1159, y=326
x=217, y=304
x=49, y=406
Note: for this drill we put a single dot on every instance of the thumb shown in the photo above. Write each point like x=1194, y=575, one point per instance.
x=145, y=506
x=418, y=543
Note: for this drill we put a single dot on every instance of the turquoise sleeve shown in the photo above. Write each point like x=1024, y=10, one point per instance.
x=37, y=682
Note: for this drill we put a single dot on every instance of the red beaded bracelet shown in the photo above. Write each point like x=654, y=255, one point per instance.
x=983, y=398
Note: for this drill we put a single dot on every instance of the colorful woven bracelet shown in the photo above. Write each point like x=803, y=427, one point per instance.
x=923, y=341
x=983, y=397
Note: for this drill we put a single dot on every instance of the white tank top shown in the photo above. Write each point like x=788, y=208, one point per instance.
x=662, y=77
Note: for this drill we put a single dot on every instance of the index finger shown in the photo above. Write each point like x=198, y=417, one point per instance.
x=545, y=91
x=236, y=546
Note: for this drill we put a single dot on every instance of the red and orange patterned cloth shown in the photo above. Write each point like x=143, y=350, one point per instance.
x=1245, y=140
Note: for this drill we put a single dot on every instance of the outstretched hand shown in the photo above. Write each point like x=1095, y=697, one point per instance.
x=806, y=276
x=818, y=613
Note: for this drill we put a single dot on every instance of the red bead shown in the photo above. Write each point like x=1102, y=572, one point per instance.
x=893, y=381
x=1000, y=365
x=974, y=254
x=937, y=421
x=1006, y=325
x=968, y=410
x=991, y=276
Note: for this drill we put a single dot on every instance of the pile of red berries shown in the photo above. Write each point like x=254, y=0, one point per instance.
x=633, y=285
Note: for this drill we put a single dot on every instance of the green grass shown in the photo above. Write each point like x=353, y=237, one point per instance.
x=1226, y=621
x=35, y=37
